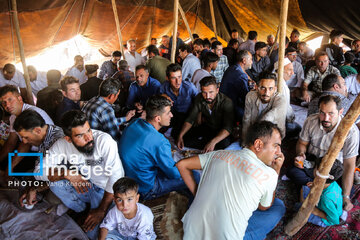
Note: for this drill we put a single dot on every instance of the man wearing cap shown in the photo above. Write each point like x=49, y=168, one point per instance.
x=91, y=87
x=261, y=62
x=109, y=67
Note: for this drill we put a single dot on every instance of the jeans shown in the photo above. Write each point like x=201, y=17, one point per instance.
x=77, y=201
x=262, y=222
x=301, y=176
x=164, y=185
x=292, y=129
x=115, y=235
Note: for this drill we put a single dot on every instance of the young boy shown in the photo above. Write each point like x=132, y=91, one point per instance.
x=329, y=209
x=128, y=219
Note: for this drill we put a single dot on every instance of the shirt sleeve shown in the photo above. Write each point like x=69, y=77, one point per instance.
x=228, y=117
x=205, y=158
x=102, y=71
x=131, y=97
x=165, y=161
x=194, y=111
x=145, y=230
x=110, y=220
x=267, y=198
x=304, y=134
x=309, y=76
x=351, y=145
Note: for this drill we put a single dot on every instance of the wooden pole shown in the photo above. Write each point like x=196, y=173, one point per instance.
x=117, y=26
x=186, y=22
x=283, y=20
x=176, y=19
x=336, y=145
x=30, y=99
x=213, y=17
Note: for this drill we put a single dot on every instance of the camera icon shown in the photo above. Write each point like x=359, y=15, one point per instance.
x=15, y=153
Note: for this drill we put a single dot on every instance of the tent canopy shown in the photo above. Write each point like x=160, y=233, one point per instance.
x=45, y=23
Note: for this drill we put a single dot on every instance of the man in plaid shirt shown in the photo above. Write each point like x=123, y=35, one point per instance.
x=100, y=113
x=217, y=48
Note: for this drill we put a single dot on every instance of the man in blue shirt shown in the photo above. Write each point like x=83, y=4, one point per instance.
x=181, y=93
x=235, y=82
x=146, y=153
x=143, y=88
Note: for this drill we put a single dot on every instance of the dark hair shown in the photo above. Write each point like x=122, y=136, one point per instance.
x=109, y=86
x=206, y=42
x=233, y=31
x=335, y=33
x=215, y=44
x=207, y=81
x=242, y=54
x=287, y=40
x=138, y=67
x=296, y=32
x=328, y=98
x=28, y=120
x=262, y=129
x=184, y=47
x=72, y=119
x=209, y=58
x=198, y=41
x=9, y=88
x=319, y=54
x=125, y=184
x=329, y=81
x=349, y=57
x=153, y=39
x=336, y=170
x=53, y=77
x=152, y=49
x=195, y=36
x=116, y=54
x=155, y=106
x=213, y=38
x=66, y=81
x=259, y=45
x=173, y=67
x=9, y=67
x=252, y=35
x=122, y=65
x=267, y=75
x=91, y=68
x=232, y=42
x=289, y=49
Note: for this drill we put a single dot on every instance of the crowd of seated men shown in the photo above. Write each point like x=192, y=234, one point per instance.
x=112, y=119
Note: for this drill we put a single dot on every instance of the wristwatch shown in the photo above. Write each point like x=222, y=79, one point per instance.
x=346, y=196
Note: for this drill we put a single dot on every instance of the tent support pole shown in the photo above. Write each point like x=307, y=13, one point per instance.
x=29, y=97
x=283, y=21
x=186, y=22
x=117, y=26
x=325, y=166
x=213, y=17
x=176, y=19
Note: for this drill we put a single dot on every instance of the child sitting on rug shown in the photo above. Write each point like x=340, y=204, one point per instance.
x=330, y=207
x=128, y=219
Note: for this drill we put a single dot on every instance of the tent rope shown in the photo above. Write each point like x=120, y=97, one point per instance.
x=197, y=1
x=67, y=15
x=12, y=30
x=81, y=17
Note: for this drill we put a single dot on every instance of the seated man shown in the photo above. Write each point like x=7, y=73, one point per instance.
x=332, y=85
x=216, y=113
x=315, y=139
x=71, y=91
x=82, y=168
x=12, y=102
x=78, y=70
x=231, y=50
x=49, y=97
x=223, y=64
x=297, y=79
x=236, y=197
x=90, y=89
x=190, y=62
x=37, y=79
x=314, y=77
x=235, y=83
x=9, y=75
x=333, y=50
x=265, y=104
x=210, y=61
x=126, y=77
x=146, y=153
x=261, y=62
x=101, y=114
x=156, y=64
x=109, y=67
x=181, y=94
x=131, y=56
x=249, y=44
x=143, y=88
x=305, y=53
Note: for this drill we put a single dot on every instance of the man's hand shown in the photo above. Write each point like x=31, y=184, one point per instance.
x=180, y=143
x=130, y=114
x=209, y=147
x=347, y=205
x=139, y=107
x=30, y=196
x=306, y=96
x=299, y=160
x=81, y=185
x=94, y=218
x=278, y=162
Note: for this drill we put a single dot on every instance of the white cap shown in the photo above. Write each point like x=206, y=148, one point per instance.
x=286, y=62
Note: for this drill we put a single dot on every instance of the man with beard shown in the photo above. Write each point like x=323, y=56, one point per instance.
x=314, y=141
x=78, y=70
x=213, y=113
x=265, y=104
x=82, y=168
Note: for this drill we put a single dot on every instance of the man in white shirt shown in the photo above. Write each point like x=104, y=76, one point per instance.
x=10, y=76
x=131, y=56
x=78, y=70
x=236, y=193
x=82, y=168
x=38, y=79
